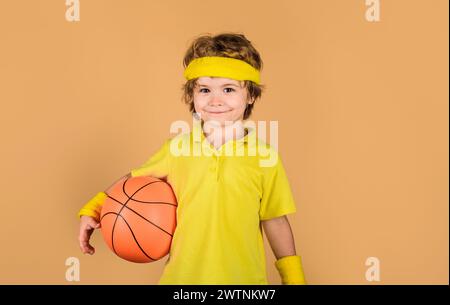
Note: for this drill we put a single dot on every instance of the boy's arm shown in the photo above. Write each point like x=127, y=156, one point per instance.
x=279, y=234
x=281, y=239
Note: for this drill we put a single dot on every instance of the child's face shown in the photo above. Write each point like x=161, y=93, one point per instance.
x=221, y=99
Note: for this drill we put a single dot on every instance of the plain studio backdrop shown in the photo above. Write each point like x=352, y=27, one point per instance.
x=362, y=109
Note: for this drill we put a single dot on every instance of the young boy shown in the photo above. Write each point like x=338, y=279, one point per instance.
x=223, y=200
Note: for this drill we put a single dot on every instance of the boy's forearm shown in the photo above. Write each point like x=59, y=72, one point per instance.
x=281, y=240
x=94, y=206
x=279, y=234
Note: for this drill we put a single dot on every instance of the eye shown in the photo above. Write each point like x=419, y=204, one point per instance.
x=229, y=89
x=202, y=89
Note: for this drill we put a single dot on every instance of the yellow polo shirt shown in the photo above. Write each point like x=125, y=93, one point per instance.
x=221, y=200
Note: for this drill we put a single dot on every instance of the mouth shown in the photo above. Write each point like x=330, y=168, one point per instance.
x=217, y=112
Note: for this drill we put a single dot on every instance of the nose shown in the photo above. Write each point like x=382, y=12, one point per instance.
x=215, y=100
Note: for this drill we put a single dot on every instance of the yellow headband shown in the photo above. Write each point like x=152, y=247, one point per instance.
x=221, y=67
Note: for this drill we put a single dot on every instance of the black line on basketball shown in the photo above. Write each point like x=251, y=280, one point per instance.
x=131, y=197
x=149, y=221
x=140, y=201
x=132, y=233
x=112, y=235
x=160, y=202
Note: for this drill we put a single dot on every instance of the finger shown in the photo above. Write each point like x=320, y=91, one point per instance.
x=82, y=243
x=85, y=233
x=84, y=249
x=87, y=248
x=84, y=240
x=94, y=224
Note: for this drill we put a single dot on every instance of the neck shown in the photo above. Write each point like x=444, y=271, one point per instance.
x=220, y=134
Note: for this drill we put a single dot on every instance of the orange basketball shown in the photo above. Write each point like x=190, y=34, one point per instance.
x=138, y=219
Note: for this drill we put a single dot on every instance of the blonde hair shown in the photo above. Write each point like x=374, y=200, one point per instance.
x=230, y=45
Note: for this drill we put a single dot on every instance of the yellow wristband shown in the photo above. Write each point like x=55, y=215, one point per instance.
x=291, y=271
x=94, y=206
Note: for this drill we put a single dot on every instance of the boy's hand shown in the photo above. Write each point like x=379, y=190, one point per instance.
x=87, y=226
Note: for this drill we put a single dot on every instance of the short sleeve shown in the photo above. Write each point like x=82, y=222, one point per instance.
x=277, y=199
x=158, y=165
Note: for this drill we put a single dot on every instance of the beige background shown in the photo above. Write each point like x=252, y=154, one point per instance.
x=363, y=127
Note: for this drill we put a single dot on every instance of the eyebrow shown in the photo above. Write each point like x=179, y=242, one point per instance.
x=224, y=85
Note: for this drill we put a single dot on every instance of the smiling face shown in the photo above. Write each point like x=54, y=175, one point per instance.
x=220, y=99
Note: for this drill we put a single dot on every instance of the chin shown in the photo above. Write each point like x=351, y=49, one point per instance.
x=215, y=121
x=217, y=118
